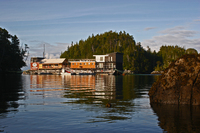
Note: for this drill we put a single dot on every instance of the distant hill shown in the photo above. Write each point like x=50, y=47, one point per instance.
x=136, y=58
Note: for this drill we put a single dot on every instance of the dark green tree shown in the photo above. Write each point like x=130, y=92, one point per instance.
x=191, y=51
x=11, y=54
x=135, y=57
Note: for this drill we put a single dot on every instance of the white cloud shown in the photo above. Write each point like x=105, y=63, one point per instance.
x=174, y=36
x=179, y=32
x=50, y=50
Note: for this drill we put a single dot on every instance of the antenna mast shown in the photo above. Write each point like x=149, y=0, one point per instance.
x=44, y=52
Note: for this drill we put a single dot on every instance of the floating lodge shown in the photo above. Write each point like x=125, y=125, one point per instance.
x=102, y=64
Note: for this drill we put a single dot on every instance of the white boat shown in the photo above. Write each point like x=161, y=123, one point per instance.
x=67, y=72
x=88, y=72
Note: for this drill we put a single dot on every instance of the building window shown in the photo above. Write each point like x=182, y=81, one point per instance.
x=111, y=65
x=100, y=65
x=110, y=58
x=101, y=58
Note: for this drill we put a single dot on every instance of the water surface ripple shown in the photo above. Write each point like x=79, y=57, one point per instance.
x=57, y=103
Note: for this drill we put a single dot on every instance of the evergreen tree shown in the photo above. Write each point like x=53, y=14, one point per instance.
x=135, y=58
x=11, y=55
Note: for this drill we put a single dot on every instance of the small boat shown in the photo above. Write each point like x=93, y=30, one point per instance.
x=85, y=73
x=67, y=72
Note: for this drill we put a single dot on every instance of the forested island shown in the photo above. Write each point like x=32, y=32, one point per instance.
x=135, y=58
x=12, y=55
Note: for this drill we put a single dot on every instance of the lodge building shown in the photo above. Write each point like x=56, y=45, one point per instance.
x=107, y=64
x=109, y=61
x=82, y=63
x=39, y=63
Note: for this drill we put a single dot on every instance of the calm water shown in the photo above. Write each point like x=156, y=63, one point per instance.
x=54, y=103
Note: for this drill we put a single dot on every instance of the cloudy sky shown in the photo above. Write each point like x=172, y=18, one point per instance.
x=56, y=23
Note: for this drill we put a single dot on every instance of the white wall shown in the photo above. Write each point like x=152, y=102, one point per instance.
x=97, y=57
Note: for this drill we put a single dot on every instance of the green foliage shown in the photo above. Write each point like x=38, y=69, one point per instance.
x=11, y=55
x=135, y=57
x=191, y=51
x=170, y=53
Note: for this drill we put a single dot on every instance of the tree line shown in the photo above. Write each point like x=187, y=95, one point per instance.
x=169, y=54
x=135, y=58
x=11, y=54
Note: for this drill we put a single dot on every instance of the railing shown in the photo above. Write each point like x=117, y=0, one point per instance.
x=81, y=60
x=104, y=70
x=106, y=67
x=51, y=67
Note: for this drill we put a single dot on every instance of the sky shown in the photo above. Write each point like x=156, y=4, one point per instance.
x=57, y=23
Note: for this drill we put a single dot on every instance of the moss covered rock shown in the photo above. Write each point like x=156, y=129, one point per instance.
x=180, y=82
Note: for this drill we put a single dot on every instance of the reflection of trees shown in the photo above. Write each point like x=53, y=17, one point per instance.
x=10, y=92
x=178, y=119
x=96, y=91
x=117, y=90
x=135, y=86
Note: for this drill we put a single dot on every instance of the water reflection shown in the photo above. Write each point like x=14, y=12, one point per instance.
x=178, y=119
x=90, y=89
x=55, y=102
x=10, y=92
x=95, y=91
x=45, y=81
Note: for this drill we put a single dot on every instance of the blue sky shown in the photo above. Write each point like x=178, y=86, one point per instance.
x=56, y=23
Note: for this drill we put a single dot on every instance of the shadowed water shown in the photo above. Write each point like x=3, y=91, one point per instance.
x=56, y=103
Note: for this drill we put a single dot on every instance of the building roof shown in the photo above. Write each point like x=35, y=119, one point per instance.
x=52, y=61
x=115, y=53
x=100, y=55
x=81, y=60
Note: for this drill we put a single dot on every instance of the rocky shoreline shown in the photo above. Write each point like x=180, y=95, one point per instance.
x=157, y=72
x=180, y=82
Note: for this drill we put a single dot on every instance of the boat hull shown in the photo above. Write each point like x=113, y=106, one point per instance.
x=85, y=73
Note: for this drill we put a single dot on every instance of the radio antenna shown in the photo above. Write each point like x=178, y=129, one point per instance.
x=44, y=52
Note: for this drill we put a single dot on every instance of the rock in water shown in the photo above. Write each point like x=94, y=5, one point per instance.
x=180, y=82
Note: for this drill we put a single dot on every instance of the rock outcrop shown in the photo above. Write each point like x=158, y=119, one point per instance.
x=180, y=82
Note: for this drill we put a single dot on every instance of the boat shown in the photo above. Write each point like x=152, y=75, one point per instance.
x=85, y=73
x=67, y=72
x=88, y=72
